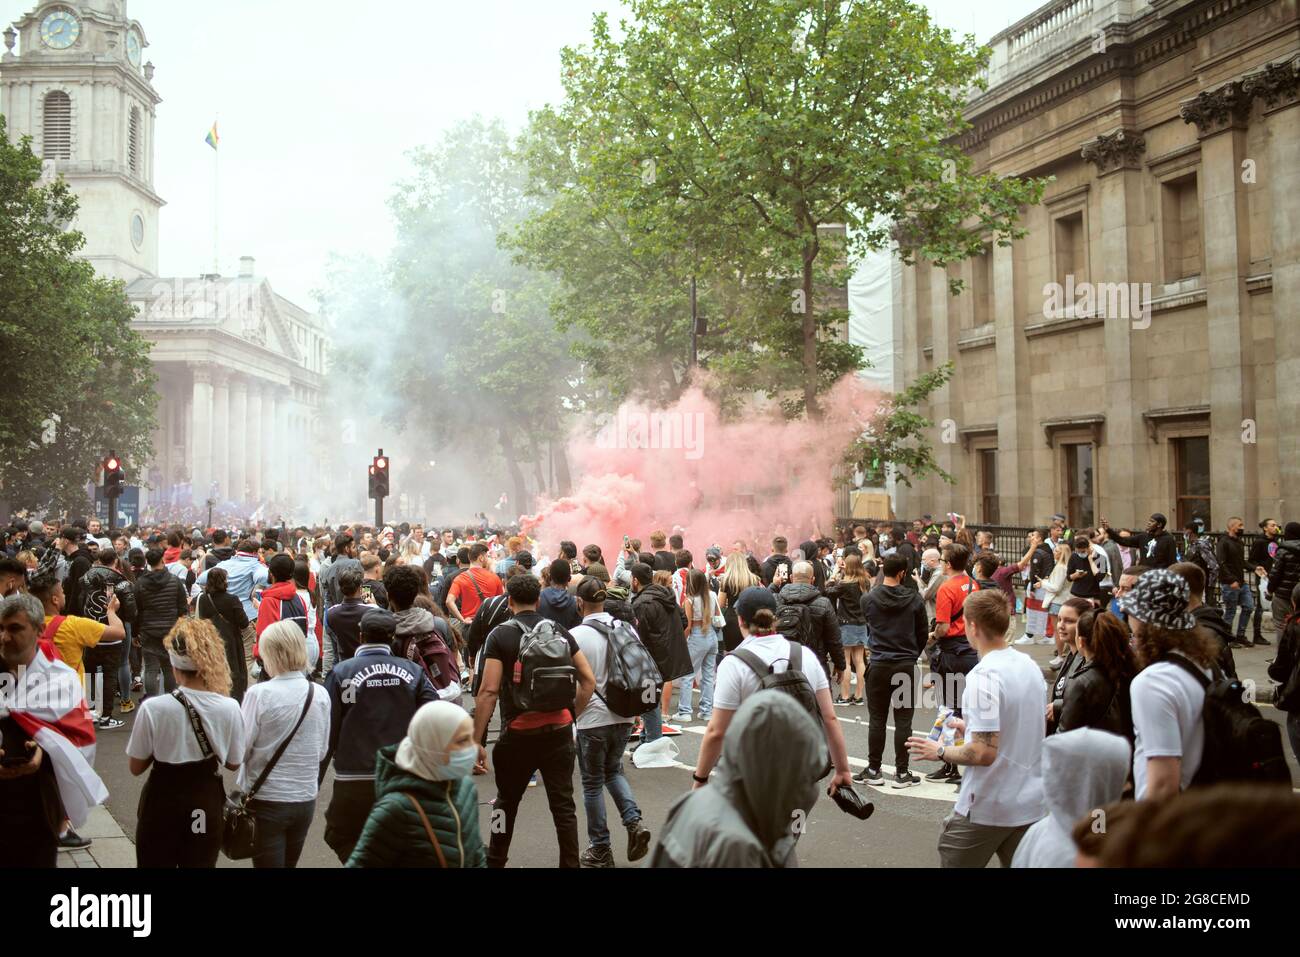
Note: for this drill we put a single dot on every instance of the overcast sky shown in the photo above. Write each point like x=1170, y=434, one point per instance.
x=320, y=100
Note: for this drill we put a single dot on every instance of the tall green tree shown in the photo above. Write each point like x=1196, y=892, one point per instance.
x=77, y=381
x=754, y=125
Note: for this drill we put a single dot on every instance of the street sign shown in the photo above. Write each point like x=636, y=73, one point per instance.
x=128, y=506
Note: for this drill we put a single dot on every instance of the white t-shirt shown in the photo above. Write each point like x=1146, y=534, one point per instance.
x=1005, y=693
x=271, y=709
x=737, y=681
x=162, y=729
x=1167, y=706
x=595, y=648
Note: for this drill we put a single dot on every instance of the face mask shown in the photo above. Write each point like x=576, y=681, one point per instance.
x=459, y=765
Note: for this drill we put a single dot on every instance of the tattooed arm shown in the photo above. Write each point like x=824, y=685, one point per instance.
x=980, y=749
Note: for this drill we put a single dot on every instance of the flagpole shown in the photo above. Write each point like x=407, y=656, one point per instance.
x=216, y=202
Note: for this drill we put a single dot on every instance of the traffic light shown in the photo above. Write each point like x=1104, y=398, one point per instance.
x=114, y=476
x=379, y=476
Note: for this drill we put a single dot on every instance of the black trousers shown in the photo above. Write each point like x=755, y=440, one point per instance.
x=108, y=657
x=346, y=816
x=179, y=817
x=891, y=687
x=514, y=759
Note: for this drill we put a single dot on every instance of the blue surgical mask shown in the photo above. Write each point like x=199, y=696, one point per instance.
x=459, y=764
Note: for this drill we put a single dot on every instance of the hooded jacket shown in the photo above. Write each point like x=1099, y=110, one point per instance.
x=1212, y=620
x=373, y=696
x=771, y=564
x=559, y=605
x=1082, y=771
x=79, y=562
x=1285, y=669
x=245, y=574
x=161, y=600
x=394, y=835
x=222, y=553
x=897, y=627
x=92, y=601
x=661, y=623
x=825, y=623
x=1286, y=570
x=772, y=755
x=271, y=607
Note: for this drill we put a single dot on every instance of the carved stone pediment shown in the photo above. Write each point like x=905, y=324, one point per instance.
x=1121, y=149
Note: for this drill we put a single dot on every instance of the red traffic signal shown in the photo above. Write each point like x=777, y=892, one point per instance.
x=112, y=465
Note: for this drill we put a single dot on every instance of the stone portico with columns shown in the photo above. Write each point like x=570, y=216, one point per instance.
x=240, y=375
x=1172, y=131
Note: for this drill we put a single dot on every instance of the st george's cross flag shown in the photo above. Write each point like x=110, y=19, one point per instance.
x=48, y=702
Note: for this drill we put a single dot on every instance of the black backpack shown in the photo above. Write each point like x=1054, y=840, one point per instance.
x=792, y=681
x=293, y=609
x=1241, y=745
x=632, y=679
x=544, y=677
x=794, y=622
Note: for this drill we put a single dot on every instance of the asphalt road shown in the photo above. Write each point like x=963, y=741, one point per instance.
x=902, y=832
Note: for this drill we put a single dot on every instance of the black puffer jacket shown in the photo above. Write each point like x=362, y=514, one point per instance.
x=1286, y=570
x=92, y=599
x=825, y=623
x=661, y=623
x=161, y=599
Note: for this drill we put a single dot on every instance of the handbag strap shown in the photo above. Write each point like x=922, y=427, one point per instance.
x=275, y=758
x=205, y=747
x=428, y=829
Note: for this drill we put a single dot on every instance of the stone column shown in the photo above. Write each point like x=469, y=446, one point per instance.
x=1120, y=183
x=201, y=411
x=253, y=445
x=906, y=498
x=1278, y=85
x=941, y=340
x=221, y=433
x=238, y=439
x=1220, y=116
x=270, y=411
x=283, y=479
x=1015, y=411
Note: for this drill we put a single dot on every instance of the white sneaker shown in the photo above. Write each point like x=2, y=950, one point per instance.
x=1046, y=641
x=1024, y=640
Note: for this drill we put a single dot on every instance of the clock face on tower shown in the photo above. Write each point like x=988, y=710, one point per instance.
x=137, y=230
x=60, y=30
x=133, y=48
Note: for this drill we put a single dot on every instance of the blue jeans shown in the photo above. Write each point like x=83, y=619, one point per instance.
x=703, y=649
x=600, y=761
x=652, y=725
x=124, y=669
x=281, y=831
x=1232, y=597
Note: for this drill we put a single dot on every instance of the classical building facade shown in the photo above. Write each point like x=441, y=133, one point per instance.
x=1139, y=349
x=240, y=369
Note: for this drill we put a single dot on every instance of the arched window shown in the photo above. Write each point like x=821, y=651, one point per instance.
x=133, y=141
x=58, y=126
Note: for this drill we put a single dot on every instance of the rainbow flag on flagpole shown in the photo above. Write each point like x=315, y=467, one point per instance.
x=212, y=139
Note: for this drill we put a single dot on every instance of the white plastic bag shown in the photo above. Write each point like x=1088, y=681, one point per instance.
x=659, y=753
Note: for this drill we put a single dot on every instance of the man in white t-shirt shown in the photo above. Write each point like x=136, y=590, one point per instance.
x=602, y=738
x=1002, y=721
x=1167, y=698
x=756, y=613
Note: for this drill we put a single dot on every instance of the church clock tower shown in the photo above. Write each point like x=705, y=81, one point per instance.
x=79, y=87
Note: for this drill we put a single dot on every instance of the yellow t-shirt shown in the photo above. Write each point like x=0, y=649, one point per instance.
x=74, y=636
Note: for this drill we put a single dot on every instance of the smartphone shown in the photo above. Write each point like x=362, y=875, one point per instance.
x=784, y=570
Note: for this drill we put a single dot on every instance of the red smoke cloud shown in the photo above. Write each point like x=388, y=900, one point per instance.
x=718, y=481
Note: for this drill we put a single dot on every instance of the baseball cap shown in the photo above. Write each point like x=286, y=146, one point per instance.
x=713, y=552
x=754, y=599
x=592, y=589
x=378, y=623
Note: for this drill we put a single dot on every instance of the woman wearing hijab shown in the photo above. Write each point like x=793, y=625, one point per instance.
x=751, y=812
x=426, y=807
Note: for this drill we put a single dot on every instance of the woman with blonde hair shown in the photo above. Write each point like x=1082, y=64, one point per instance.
x=426, y=807
x=1055, y=591
x=739, y=576
x=846, y=588
x=185, y=737
x=281, y=793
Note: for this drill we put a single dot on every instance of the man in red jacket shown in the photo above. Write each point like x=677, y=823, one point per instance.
x=280, y=602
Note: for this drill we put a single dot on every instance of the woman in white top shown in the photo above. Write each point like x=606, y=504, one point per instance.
x=287, y=704
x=185, y=737
x=702, y=643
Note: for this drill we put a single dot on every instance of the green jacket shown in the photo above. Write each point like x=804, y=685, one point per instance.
x=394, y=836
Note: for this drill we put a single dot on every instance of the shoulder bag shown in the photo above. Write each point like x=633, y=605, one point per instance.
x=428, y=828
x=239, y=827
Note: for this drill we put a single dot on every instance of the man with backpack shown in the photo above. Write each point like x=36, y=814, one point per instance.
x=626, y=680
x=766, y=659
x=280, y=602
x=543, y=682
x=1180, y=695
x=420, y=635
x=373, y=696
x=807, y=616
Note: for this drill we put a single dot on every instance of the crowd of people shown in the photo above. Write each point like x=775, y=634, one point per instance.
x=386, y=654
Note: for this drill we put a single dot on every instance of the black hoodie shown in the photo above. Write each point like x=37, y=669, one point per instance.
x=1212, y=620
x=216, y=556
x=661, y=623
x=896, y=623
